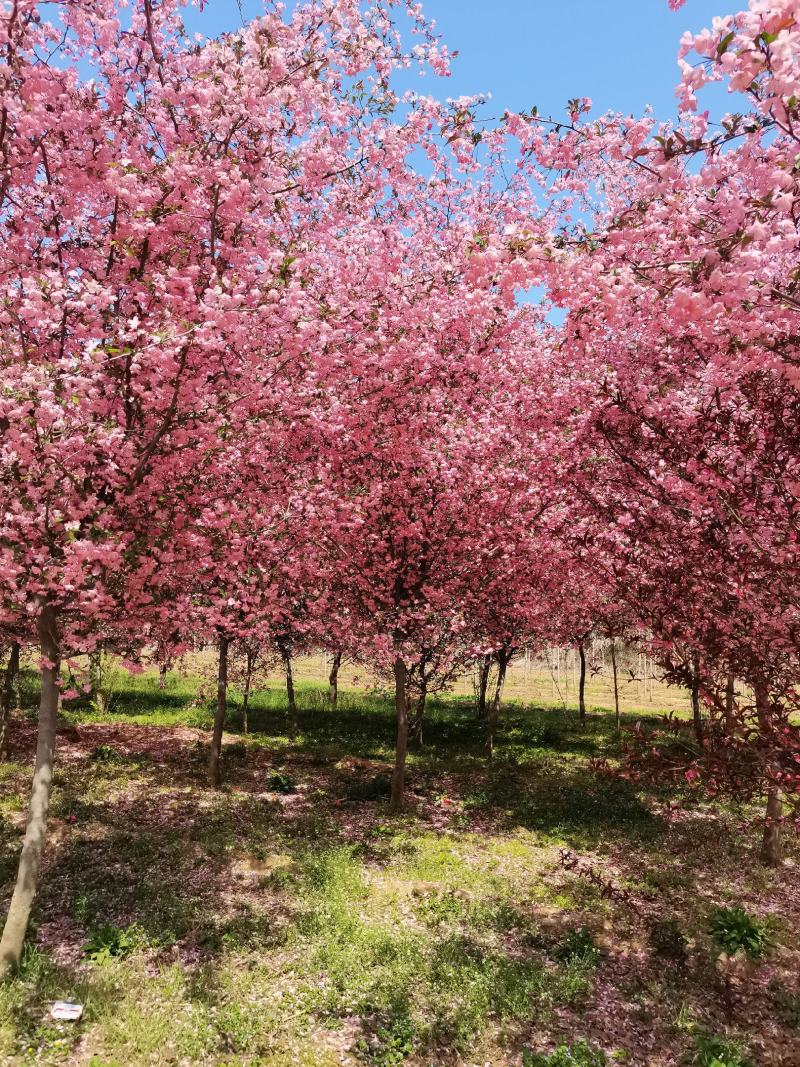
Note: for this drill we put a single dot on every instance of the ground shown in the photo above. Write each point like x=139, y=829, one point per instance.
x=288, y=919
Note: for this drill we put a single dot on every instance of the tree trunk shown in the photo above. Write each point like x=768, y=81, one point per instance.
x=401, y=708
x=333, y=679
x=286, y=656
x=162, y=676
x=417, y=718
x=33, y=843
x=616, y=683
x=483, y=685
x=697, y=716
x=248, y=678
x=771, y=847
x=7, y=696
x=582, y=683
x=96, y=679
x=730, y=696
x=494, y=710
x=214, y=775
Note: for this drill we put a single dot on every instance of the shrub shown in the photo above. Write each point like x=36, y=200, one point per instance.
x=733, y=930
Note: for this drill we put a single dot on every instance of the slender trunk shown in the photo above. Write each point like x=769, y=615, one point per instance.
x=7, y=696
x=214, y=775
x=616, y=683
x=401, y=708
x=248, y=678
x=483, y=685
x=96, y=679
x=582, y=683
x=333, y=679
x=771, y=846
x=162, y=676
x=494, y=710
x=417, y=717
x=730, y=696
x=697, y=716
x=33, y=843
x=291, y=703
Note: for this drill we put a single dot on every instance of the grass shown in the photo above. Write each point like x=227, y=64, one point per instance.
x=288, y=919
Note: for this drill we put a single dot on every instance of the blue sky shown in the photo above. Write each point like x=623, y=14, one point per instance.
x=621, y=53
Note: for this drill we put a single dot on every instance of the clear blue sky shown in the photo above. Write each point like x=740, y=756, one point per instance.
x=621, y=53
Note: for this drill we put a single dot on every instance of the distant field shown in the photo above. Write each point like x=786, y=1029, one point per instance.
x=527, y=683
x=530, y=683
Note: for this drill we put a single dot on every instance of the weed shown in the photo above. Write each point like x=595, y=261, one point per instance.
x=711, y=1051
x=280, y=782
x=108, y=941
x=733, y=930
x=580, y=1054
x=579, y=946
x=106, y=754
x=387, y=1042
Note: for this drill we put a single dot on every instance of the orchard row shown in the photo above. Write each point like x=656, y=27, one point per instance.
x=267, y=376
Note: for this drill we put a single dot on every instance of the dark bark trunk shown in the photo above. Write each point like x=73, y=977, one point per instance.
x=286, y=656
x=333, y=679
x=582, y=683
x=401, y=709
x=248, y=678
x=26, y=884
x=483, y=685
x=697, y=716
x=7, y=696
x=616, y=684
x=162, y=676
x=730, y=697
x=214, y=773
x=771, y=845
x=494, y=709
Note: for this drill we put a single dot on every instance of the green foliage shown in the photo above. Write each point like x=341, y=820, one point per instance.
x=668, y=940
x=108, y=941
x=579, y=946
x=106, y=754
x=580, y=1054
x=549, y=735
x=280, y=782
x=387, y=1043
x=733, y=930
x=711, y=1051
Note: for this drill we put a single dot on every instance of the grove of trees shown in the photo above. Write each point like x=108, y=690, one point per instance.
x=269, y=383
